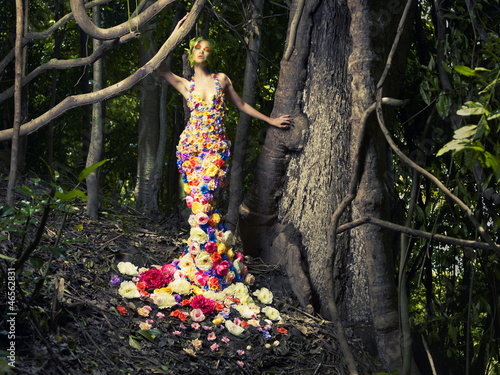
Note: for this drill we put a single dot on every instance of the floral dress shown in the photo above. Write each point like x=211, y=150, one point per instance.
x=209, y=261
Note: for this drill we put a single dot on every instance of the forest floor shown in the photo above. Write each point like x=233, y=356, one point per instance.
x=73, y=325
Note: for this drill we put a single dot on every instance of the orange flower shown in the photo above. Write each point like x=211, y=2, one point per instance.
x=244, y=323
x=185, y=302
x=219, y=306
x=216, y=257
x=282, y=330
x=122, y=310
x=141, y=286
x=213, y=283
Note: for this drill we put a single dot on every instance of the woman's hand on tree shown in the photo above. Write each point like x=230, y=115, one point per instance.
x=282, y=122
x=181, y=21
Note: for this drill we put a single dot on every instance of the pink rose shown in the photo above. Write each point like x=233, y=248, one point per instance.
x=210, y=247
x=201, y=278
x=168, y=270
x=201, y=218
x=240, y=257
x=249, y=279
x=222, y=268
x=189, y=201
x=197, y=315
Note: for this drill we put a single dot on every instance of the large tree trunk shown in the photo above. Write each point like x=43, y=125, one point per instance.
x=149, y=129
x=327, y=80
x=96, y=149
x=245, y=121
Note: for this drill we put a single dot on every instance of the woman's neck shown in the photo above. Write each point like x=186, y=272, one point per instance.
x=201, y=70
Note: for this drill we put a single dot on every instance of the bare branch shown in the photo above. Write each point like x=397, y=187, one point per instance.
x=130, y=26
x=416, y=233
x=44, y=34
x=63, y=64
x=116, y=89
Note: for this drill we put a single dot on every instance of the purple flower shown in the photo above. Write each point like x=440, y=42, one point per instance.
x=240, y=352
x=115, y=281
x=178, y=298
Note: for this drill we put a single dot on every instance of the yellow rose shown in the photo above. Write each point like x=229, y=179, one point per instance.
x=212, y=170
x=187, y=189
x=218, y=320
x=230, y=254
x=221, y=248
x=216, y=218
x=197, y=290
x=166, y=289
x=196, y=207
x=197, y=234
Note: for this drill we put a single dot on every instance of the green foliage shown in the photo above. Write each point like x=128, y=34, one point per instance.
x=452, y=289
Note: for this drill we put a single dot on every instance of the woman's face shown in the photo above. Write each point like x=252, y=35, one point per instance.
x=201, y=52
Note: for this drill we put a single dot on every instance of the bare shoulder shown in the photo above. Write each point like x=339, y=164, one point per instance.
x=223, y=79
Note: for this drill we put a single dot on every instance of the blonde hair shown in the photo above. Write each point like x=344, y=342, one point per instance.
x=212, y=57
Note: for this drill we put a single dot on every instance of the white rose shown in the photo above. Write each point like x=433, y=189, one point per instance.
x=127, y=268
x=186, y=261
x=245, y=311
x=210, y=294
x=237, y=289
x=163, y=300
x=249, y=279
x=180, y=286
x=227, y=238
x=238, y=266
x=245, y=299
x=233, y=328
x=128, y=289
x=264, y=295
x=271, y=313
x=204, y=261
x=197, y=234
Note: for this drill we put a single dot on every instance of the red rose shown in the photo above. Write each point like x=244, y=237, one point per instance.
x=204, y=304
x=153, y=278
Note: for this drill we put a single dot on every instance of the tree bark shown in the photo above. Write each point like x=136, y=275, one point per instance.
x=17, y=104
x=245, y=121
x=96, y=149
x=146, y=195
x=335, y=58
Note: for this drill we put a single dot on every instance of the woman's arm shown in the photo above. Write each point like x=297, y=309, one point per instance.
x=178, y=83
x=280, y=122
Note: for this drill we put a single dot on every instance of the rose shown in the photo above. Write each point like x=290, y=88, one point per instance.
x=201, y=278
x=264, y=295
x=211, y=247
x=128, y=289
x=230, y=253
x=207, y=306
x=221, y=248
x=238, y=266
x=212, y=170
x=204, y=261
x=189, y=201
x=206, y=208
x=230, y=277
x=216, y=218
x=233, y=328
x=168, y=270
x=246, y=311
x=212, y=185
x=186, y=261
x=249, y=279
x=216, y=258
x=154, y=278
x=192, y=221
x=271, y=313
x=197, y=315
x=163, y=299
x=196, y=207
x=127, y=268
x=180, y=286
x=197, y=234
x=222, y=268
x=194, y=248
x=201, y=218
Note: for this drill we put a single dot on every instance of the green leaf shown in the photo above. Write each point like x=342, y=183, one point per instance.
x=454, y=145
x=465, y=132
x=493, y=162
x=134, y=343
x=70, y=195
x=147, y=335
x=36, y=262
x=465, y=111
x=7, y=258
x=425, y=92
x=83, y=174
x=464, y=70
x=443, y=104
x=493, y=115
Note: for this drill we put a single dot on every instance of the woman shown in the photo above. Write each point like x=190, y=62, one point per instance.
x=202, y=153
